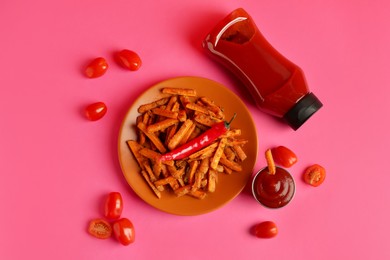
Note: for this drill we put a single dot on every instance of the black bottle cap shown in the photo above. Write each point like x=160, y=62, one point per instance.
x=302, y=110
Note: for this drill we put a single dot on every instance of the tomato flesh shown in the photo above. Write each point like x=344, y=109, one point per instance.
x=266, y=229
x=283, y=156
x=95, y=111
x=314, y=175
x=100, y=228
x=113, y=206
x=96, y=68
x=124, y=231
x=129, y=59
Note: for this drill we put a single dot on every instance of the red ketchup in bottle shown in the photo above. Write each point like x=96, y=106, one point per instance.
x=277, y=85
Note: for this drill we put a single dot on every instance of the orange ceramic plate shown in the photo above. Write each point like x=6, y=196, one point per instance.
x=228, y=186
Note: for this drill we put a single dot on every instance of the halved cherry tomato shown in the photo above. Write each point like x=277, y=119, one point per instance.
x=113, y=205
x=266, y=229
x=314, y=175
x=96, y=68
x=284, y=156
x=100, y=228
x=95, y=111
x=129, y=59
x=124, y=231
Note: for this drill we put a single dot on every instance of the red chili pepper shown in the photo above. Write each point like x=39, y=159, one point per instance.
x=199, y=142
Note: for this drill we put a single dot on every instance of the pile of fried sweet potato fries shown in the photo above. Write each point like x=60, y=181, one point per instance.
x=169, y=123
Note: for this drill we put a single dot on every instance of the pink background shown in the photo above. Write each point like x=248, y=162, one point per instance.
x=56, y=166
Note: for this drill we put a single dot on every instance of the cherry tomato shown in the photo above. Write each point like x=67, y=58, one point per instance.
x=113, y=205
x=129, y=59
x=100, y=228
x=314, y=175
x=95, y=111
x=266, y=229
x=96, y=68
x=284, y=156
x=124, y=231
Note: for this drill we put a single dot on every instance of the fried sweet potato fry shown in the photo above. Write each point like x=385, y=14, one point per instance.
x=151, y=185
x=187, y=134
x=140, y=134
x=227, y=170
x=213, y=108
x=270, y=161
x=165, y=181
x=183, y=190
x=230, y=164
x=182, y=115
x=152, y=176
x=179, y=91
x=205, y=120
x=150, y=154
x=162, y=125
x=175, y=107
x=165, y=113
x=240, y=152
x=208, y=151
x=237, y=142
x=198, y=194
x=232, y=133
x=146, y=107
x=152, y=137
x=212, y=180
x=172, y=101
x=176, y=173
x=220, y=168
x=174, y=184
x=218, y=153
x=157, y=168
x=192, y=170
x=180, y=134
x=135, y=148
x=230, y=153
x=184, y=100
x=200, y=173
x=198, y=108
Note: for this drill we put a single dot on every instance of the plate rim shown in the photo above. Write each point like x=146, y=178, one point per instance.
x=130, y=109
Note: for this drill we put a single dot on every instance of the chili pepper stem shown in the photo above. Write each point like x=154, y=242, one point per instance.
x=231, y=120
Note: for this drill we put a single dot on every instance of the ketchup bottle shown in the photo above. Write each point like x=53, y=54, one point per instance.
x=277, y=85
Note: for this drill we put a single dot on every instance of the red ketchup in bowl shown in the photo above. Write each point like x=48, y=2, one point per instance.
x=273, y=190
